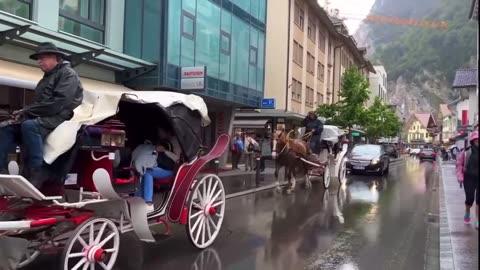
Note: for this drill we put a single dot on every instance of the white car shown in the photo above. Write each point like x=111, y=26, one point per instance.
x=414, y=152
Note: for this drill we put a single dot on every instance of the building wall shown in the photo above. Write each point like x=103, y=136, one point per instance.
x=378, y=85
x=277, y=52
x=448, y=127
x=228, y=38
x=307, y=84
x=417, y=132
x=472, y=105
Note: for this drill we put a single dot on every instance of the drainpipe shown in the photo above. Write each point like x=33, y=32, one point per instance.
x=334, y=59
x=288, y=55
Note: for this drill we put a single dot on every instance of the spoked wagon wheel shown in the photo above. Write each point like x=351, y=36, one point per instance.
x=342, y=172
x=206, y=209
x=326, y=177
x=93, y=245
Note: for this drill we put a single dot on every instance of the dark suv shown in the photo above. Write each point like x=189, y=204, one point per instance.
x=391, y=151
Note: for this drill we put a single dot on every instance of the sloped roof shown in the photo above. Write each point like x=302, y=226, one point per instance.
x=466, y=77
x=445, y=110
x=423, y=118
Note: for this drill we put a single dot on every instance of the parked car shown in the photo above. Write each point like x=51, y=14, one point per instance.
x=427, y=153
x=391, y=151
x=369, y=158
x=415, y=151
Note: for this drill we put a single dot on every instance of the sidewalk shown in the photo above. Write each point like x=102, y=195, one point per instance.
x=458, y=241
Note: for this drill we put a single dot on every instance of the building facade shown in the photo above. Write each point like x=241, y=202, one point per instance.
x=378, y=85
x=307, y=53
x=421, y=129
x=226, y=37
x=448, y=123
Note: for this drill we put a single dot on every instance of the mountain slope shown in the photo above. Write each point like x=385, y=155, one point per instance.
x=421, y=62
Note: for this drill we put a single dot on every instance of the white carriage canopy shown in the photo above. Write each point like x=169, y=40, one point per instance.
x=187, y=114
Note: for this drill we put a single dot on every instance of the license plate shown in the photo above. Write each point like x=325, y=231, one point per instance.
x=358, y=168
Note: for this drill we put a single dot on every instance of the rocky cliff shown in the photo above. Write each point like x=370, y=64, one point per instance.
x=420, y=61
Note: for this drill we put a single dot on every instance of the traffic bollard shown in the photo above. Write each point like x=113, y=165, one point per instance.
x=257, y=172
x=217, y=166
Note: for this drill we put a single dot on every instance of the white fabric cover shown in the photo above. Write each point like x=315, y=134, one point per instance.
x=329, y=133
x=99, y=105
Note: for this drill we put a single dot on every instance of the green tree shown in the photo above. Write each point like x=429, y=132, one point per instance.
x=330, y=113
x=381, y=121
x=353, y=95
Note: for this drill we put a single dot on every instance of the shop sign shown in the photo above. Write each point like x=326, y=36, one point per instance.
x=193, y=78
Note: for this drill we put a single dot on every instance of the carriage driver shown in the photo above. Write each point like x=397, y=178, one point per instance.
x=57, y=94
x=314, y=125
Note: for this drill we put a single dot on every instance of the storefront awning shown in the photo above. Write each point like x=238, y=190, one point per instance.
x=260, y=123
x=23, y=76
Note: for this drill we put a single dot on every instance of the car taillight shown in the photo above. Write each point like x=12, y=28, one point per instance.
x=113, y=138
x=421, y=154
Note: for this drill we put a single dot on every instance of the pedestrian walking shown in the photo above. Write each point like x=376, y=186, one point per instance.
x=237, y=150
x=251, y=147
x=468, y=175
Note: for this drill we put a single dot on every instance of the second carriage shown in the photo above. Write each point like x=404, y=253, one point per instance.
x=331, y=163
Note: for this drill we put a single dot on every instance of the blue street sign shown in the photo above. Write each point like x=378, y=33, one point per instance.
x=268, y=103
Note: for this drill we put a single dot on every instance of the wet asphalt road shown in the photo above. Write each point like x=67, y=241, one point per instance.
x=371, y=223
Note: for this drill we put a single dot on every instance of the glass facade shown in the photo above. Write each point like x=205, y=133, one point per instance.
x=83, y=18
x=228, y=37
x=21, y=8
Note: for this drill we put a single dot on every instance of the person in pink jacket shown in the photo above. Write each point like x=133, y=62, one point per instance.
x=468, y=175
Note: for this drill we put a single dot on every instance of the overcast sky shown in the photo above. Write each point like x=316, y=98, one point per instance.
x=351, y=8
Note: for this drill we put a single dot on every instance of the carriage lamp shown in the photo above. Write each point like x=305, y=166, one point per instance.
x=113, y=138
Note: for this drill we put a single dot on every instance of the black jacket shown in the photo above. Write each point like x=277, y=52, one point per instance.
x=57, y=94
x=316, y=125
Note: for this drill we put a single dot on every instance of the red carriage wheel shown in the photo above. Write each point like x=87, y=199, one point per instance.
x=206, y=210
x=93, y=245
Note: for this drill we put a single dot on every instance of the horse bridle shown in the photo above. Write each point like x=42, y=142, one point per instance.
x=284, y=147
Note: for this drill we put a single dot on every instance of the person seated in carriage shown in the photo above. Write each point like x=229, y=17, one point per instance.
x=57, y=94
x=314, y=125
x=156, y=162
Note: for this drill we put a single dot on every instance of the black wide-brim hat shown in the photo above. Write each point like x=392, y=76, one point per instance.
x=47, y=48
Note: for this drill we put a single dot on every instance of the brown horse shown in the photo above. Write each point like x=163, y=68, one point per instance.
x=287, y=153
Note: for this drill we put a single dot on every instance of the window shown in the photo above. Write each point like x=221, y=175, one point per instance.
x=297, y=53
x=321, y=41
x=296, y=90
x=83, y=18
x=319, y=98
x=299, y=16
x=379, y=91
x=309, y=96
x=20, y=8
x=320, y=71
x=310, y=63
x=253, y=56
x=188, y=25
x=225, y=43
x=312, y=30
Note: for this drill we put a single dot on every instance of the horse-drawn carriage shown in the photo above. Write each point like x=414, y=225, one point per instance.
x=89, y=199
x=296, y=157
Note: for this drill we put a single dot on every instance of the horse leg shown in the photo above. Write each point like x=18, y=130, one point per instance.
x=290, y=177
x=277, y=168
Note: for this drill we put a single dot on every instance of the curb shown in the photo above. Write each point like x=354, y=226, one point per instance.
x=446, y=250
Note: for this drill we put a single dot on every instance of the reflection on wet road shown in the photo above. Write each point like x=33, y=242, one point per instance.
x=370, y=223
